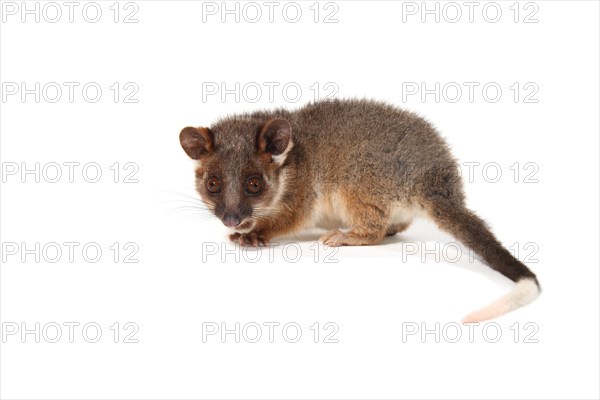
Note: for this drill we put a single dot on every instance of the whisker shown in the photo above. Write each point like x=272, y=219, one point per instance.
x=202, y=210
x=171, y=192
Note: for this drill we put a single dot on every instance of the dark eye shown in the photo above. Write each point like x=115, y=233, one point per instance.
x=213, y=185
x=253, y=185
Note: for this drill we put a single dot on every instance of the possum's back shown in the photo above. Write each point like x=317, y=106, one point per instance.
x=364, y=135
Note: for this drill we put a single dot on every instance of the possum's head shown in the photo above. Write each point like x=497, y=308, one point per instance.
x=241, y=167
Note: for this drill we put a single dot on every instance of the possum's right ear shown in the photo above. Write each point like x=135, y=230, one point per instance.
x=196, y=142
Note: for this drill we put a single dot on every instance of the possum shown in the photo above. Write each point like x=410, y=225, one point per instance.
x=362, y=169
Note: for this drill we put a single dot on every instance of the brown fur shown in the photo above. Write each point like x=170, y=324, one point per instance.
x=397, y=228
x=370, y=166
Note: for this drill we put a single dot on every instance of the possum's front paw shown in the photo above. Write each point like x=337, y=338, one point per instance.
x=251, y=239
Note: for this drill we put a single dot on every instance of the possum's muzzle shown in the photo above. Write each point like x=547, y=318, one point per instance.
x=231, y=220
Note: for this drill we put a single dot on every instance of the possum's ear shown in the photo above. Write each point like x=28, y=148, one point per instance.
x=196, y=142
x=275, y=139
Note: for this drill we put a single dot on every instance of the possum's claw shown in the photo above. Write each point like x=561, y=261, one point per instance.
x=251, y=239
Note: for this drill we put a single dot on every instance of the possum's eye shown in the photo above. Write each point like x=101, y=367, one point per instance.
x=213, y=185
x=253, y=185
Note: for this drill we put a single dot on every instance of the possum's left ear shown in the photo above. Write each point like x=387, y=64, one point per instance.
x=275, y=139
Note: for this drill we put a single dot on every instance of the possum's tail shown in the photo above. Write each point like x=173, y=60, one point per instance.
x=467, y=227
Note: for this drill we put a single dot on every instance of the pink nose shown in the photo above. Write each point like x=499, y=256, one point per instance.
x=231, y=220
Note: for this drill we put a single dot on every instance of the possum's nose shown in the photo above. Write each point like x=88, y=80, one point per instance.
x=231, y=220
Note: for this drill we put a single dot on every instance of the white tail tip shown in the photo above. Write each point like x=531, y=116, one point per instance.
x=525, y=291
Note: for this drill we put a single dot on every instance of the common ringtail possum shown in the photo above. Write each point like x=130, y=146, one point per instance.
x=366, y=167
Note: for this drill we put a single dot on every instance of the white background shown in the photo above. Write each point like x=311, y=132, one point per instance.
x=372, y=294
